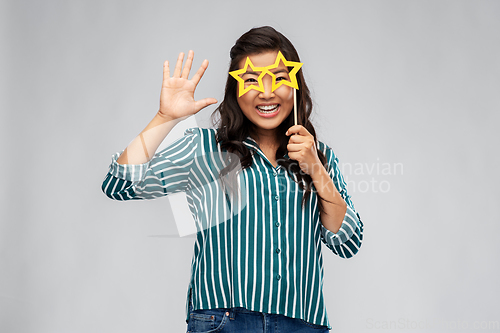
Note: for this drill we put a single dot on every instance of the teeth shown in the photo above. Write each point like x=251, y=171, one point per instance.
x=267, y=108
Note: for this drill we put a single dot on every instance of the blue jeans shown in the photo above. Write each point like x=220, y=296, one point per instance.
x=242, y=320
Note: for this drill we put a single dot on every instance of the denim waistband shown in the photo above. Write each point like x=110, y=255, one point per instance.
x=231, y=311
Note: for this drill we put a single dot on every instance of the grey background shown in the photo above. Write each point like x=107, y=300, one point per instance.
x=396, y=83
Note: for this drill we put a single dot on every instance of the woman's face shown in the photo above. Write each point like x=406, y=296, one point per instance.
x=268, y=109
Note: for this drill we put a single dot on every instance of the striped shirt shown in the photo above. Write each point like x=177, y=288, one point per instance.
x=260, y=250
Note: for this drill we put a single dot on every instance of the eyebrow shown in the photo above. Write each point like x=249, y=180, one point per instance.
x=281, y=70
x=251, y=73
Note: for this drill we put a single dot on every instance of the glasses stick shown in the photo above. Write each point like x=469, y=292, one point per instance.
x=295, y=105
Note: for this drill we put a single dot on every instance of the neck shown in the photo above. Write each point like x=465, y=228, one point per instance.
x=266, y=138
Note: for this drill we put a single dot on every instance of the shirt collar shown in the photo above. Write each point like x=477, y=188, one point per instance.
x=253, y=145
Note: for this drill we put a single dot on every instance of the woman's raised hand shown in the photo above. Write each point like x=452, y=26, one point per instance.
x=177, y=92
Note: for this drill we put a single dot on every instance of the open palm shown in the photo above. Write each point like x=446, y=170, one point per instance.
x=177, y=92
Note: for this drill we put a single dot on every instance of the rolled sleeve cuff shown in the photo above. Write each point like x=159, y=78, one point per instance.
x=347, y=229
x=130, y=172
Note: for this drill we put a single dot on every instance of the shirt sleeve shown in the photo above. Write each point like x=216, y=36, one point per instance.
x=167, y=172
x=347, y=241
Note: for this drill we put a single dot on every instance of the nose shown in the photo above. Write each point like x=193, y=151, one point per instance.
x=268, y=86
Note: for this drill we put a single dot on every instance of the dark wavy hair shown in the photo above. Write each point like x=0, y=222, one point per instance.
x=233, y=126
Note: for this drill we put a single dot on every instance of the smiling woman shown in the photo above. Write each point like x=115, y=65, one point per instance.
x=264, y=192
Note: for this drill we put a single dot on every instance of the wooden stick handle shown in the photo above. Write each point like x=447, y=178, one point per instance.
x=295, y=105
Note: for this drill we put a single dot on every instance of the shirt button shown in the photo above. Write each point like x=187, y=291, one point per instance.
x=277, y=224
x=278, y=250
x=275, y=174
x=276, y=198
x=278, y=277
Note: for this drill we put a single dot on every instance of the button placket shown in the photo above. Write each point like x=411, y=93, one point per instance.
x=277, y=223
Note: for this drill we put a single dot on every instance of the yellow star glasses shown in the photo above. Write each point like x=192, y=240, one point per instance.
x=267, y=70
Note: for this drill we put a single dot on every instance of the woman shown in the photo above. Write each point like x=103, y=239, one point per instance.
x=262, y=191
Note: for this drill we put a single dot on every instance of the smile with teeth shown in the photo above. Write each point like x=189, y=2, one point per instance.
x=267, y=108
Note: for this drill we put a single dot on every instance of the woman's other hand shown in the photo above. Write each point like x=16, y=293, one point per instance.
x=302, y=148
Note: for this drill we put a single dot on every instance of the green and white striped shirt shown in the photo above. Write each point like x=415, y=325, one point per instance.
x=261, y=250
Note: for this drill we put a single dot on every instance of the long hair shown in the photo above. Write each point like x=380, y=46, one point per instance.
x=233, y=126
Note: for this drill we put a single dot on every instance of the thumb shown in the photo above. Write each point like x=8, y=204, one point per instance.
x=203, y=103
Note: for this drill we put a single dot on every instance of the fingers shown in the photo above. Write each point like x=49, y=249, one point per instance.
x=166, y=71
x=300, y=139
x=291, y=147
x=187, y=65
x=297, y=129
x=178, y=65
x=203, y=103
x=180, y=72
x=199, y=73
x=297, y=139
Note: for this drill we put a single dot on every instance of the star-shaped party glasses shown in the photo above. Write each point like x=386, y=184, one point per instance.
x=267, y=70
